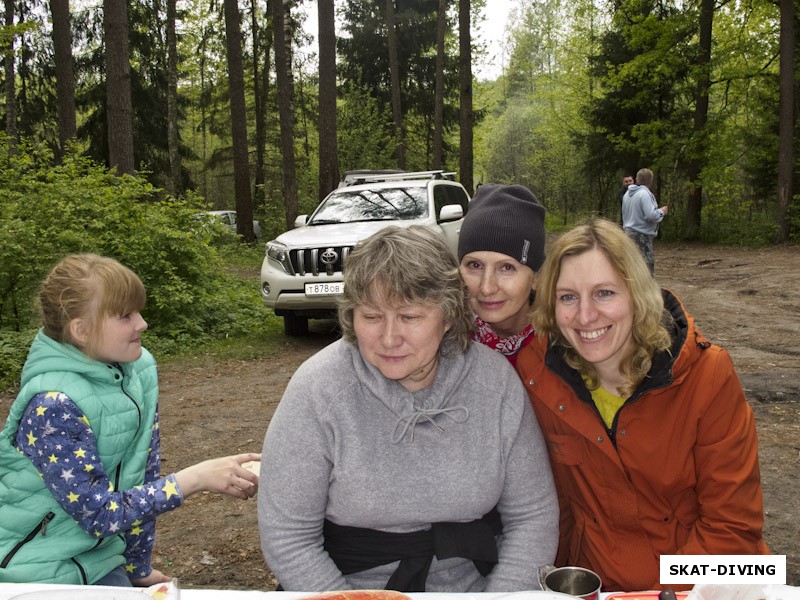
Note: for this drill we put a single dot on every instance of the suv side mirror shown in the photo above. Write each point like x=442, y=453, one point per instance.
x=300, y=220
x=451, y=212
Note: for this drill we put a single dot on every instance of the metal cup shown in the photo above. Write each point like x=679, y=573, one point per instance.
x=575, y=581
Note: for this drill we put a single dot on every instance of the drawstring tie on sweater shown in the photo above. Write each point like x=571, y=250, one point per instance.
x=406, y=424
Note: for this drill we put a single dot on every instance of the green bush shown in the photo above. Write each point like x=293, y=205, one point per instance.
x=733, y=215
x=13, y=350
x=49, y=210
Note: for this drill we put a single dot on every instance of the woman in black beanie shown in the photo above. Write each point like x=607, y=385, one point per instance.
x=500, y=250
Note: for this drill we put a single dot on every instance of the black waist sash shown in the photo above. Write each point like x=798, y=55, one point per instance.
x=355, y=549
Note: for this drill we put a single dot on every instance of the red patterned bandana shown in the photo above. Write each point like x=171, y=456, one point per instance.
x=507, y=346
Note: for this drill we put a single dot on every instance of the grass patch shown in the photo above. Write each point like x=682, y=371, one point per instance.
x=243, y=259
x=268, y=340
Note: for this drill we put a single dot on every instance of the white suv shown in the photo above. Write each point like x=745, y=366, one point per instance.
x=302, y=271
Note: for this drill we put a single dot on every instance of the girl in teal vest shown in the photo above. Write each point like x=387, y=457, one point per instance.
x=80, y=482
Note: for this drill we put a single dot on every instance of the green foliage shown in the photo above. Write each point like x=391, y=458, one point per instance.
x=364, y=65
x=531, y=140
x=733, y=215
x=642, y=68
x=510, y=141
x=13, y=350
x=590, y=89
x=148, y=78
x=364, y=132
x=273, y=221
x=593, y=90
x=48, y=211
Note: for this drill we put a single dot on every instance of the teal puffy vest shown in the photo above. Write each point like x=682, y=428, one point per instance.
x=39, y=541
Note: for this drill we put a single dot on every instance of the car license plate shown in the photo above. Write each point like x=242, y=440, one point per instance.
x=333, y=288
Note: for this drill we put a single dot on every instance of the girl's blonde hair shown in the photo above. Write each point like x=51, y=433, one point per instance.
x=650, y=332
x=89, y=287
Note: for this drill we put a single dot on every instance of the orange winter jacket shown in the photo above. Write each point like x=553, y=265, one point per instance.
x=677, y=473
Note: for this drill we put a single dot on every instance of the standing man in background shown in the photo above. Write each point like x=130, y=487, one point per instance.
x=627, y=181
x=641, y=215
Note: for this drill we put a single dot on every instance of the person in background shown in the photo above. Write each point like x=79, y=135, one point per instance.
x=403, y=456
x=652, y=442
x=627, y=181
x=641, y=215
x=500, y=250
x=80, y=482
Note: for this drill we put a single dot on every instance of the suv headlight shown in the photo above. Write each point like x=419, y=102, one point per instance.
x=280, y=254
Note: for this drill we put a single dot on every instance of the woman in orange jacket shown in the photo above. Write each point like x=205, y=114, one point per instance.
x=652, y=442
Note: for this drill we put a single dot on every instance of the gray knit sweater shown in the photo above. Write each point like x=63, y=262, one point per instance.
x=352, y=446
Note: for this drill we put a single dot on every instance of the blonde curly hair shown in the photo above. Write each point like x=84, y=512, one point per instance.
x=650, y=330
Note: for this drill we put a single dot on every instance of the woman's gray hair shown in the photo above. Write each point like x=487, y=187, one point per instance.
x=406, y=265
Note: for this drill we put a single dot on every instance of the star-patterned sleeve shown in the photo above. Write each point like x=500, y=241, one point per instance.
x=139, y=541
x=57, y=437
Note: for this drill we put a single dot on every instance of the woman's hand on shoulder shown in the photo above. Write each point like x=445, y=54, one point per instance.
x=224, y=475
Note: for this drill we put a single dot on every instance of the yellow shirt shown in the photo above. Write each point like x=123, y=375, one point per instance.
x=607, y=403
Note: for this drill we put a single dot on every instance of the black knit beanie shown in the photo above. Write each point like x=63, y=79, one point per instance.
x=505, y=219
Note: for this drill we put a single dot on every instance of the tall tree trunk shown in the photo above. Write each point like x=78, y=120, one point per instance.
x=259, y=101
x=241, y=168
x=786, y=121
x=173, y=139
x=698, y=157
x=10, y=75
x=24, y=70
x=394, y=74
x=119, y=110
x=65, y=78
x=328, y=151
x=203, y=110
x=283, y=71
x=438, y=95
x=465, y=154
x=303, y=110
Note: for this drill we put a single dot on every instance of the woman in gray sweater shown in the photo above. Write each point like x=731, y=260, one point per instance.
x=404, y=456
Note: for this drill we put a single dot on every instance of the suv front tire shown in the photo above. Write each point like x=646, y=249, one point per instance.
x=294, y=325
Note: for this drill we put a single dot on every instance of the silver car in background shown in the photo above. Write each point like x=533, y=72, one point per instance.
x=228, y=218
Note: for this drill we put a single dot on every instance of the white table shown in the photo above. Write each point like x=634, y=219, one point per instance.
x=8, y=590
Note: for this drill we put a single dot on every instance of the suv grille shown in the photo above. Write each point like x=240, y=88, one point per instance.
x=316, y=261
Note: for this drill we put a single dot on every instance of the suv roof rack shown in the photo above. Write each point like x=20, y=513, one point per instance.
x=365, y=176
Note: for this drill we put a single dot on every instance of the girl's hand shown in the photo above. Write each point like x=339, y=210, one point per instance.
x=224, y=475
x=155, y=577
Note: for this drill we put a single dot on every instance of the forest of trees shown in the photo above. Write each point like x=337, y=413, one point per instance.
x=231, y=101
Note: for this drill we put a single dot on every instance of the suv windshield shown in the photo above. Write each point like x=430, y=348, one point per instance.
x=386, y=204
